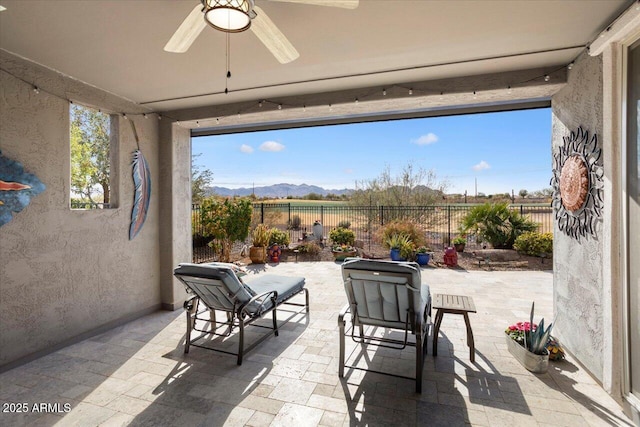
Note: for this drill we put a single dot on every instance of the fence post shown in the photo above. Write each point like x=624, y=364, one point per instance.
x=381, y=215
x=261, y=213
x=289, y=207
x=449, y=222
x=521, y=211
x=321, y=214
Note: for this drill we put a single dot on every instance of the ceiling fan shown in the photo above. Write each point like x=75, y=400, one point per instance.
x=233, y=16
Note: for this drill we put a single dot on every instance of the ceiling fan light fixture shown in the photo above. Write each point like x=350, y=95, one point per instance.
x=231, y=16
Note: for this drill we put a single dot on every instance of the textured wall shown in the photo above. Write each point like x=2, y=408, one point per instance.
x=67, y=272
x=577, y=269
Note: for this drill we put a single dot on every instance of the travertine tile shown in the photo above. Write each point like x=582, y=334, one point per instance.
x=137, y=374
x=293, y=391
x=298, y=415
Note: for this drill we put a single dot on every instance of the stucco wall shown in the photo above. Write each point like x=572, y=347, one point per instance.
x=65, y=273
x=577, y=269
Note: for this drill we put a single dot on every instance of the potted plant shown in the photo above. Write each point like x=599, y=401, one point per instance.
x=342, y=236
x=407, y=251
x=396, y=243
x=527, y=342
x=341, y=252
x=342, y=240
x=459, y=243
x=260, y=236
x=278, y=240
x=423, y=255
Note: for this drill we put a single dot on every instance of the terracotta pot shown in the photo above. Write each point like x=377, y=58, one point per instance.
x=341, y=255
x=459, y=247
x=258, y=254
x=536, y=363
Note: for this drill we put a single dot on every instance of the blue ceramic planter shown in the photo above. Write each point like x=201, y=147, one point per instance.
x=423, y=259
x=395, y=255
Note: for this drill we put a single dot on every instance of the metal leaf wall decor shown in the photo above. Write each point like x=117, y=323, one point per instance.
x=577, y=184
x=17, y=188
x=142, y=183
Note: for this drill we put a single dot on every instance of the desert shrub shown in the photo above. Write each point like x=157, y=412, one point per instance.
x=342, y=236
x=534, y=243
x=497, y=224
x=295, y=222
x=406, y=228
x=279, y=237
x=226, y=221
x=344, y=224
x=311, y=248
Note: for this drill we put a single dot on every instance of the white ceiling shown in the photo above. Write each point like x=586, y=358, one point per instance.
x=117, y=45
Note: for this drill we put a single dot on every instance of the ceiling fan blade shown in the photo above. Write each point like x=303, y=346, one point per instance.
x=264, y=28
x=187, y=32
x=345, y=4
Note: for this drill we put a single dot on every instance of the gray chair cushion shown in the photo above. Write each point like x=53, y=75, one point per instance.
x=218, y=286
x=285, y=286
x=383, y=291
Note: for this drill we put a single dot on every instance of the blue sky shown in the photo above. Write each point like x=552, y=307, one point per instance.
x=503, y=151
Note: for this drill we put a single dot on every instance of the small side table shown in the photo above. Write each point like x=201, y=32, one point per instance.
x=456, y=304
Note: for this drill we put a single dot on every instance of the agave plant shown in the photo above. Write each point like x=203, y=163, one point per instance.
x=536, y=339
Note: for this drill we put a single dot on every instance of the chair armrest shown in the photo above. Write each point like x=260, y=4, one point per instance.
x=188, y=304
x=261, y=297
x=343, y=313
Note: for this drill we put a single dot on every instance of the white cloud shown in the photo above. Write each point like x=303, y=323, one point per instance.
x=271, y=146
x=481, y=166
x=348, y=171
x=430, y=138
x=246, y=148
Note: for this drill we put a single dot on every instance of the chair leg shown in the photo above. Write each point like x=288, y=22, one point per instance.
x=436, y=331
x=306, y=295
x=212, y=319
x=189, y=327
x=341, y=325
x=419, y=361
x=241, y=339
x=275, y=322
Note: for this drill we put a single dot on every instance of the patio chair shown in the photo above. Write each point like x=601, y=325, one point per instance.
x=217, y=287
x=390, y=295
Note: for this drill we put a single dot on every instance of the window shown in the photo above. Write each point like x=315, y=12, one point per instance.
x=90, y=139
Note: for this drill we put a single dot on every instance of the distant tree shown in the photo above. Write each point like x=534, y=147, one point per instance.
x=412, y=187
x=523, y=193
x=90, y=163
x=543, y=194
x=200, y=180
x=313, y=196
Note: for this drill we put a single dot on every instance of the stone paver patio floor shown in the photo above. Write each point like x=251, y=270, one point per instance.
x=137, y=374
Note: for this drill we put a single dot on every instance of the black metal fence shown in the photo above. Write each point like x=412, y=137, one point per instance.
x=440, y=222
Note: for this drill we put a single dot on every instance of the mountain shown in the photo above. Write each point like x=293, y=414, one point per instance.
x=276, y=191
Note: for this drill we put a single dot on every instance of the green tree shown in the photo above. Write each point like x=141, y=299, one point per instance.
x=497, y=224
x=226, y=221
x=523, y=193
x=200, y=179
x=90, y=163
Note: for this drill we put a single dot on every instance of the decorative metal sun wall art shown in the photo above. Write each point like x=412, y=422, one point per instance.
x=577, y=184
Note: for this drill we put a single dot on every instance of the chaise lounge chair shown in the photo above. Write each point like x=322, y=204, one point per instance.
x=390, y=295
x=217, y=287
